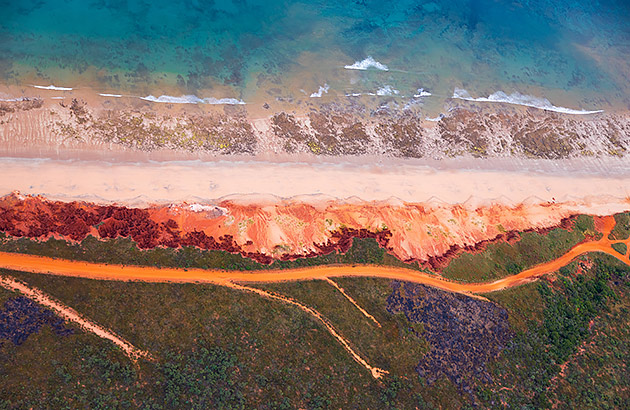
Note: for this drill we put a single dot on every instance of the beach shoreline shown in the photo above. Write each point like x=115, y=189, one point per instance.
x=197, y=181
x=84, y=125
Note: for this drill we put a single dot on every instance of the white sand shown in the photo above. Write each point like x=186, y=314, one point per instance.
x=195, y=181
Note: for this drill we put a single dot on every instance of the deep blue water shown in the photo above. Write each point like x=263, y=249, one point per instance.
x=574, y=52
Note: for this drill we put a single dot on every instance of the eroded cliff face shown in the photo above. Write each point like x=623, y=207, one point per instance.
x=429, y=233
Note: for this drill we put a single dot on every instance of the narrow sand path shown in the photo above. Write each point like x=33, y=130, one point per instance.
x=375, y=371
x=354, y=302
x=72, y=315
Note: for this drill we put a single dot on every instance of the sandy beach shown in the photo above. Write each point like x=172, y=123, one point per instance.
x=196, y=181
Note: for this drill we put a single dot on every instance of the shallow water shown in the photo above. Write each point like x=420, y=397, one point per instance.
x=573, y=53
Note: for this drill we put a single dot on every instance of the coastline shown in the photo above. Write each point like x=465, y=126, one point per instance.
x=83, y=124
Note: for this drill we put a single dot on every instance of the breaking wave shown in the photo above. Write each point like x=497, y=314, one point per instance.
x=322, y=90
x=192, y=99
x=366, y=63
x=52, y=87
x=387, y=91
x=422, y=93
x=520, y=99
x=110, y=95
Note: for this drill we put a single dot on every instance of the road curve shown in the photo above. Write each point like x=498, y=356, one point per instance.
x=46, y=265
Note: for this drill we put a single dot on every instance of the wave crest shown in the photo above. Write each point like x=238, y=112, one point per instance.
x=517, y=98
x=192, y=99
x=52, y=87
x=366, y=63
x=422, y=93
x=322, y=90
x=387, y=90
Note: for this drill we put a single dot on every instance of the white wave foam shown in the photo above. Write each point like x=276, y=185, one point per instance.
x=52, y=87
x=110, y=95
x=387, y=91
x=57, y=98
x=520, y=99
x=422, y=93
x=366, y=63
x=354, y=95
x=13, y=99
x=322, y=90
x=192, y=99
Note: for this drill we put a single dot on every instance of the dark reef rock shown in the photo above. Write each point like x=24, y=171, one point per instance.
x=21, y=317
x=464, y=333
x=23, y=104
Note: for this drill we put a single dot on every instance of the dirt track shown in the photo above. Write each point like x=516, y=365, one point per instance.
x=71, y=315
x=38, y=264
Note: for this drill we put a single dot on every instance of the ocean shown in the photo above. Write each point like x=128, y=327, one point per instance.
x=567, y=56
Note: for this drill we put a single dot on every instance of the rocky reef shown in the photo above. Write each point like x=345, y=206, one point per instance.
x=344, y=128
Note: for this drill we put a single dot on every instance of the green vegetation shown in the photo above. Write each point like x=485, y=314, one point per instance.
x=262, y=351
x=597, y=377
x=281, y=357
x=222, y=348
x=84, y=371
x=622, y=248
x=523, y=304
x=504, y=259
x=124, y=251
x=393, y=346
x=622, y=228
x=533, y=360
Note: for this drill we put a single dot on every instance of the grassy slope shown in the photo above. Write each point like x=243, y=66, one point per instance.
x=124, y=251
x=622, y=228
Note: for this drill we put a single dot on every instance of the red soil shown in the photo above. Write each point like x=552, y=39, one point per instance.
x=285, y=231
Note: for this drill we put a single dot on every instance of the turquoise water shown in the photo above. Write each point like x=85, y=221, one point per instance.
x=574, y=53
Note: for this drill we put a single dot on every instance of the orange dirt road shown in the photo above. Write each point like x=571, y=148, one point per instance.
x=46, y=265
